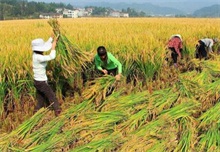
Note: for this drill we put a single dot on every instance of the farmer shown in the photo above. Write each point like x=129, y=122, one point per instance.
x=44, y=92
x=106, y=63
x=175, y=45
x=204, y=47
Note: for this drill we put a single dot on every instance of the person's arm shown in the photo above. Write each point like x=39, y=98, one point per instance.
x=98, y=63
x=176, y=45
x=119, y=66
x=210, y=46
x=50, y=40
x=52, y=55
x=178, y=51
x=116, y=62
x=44, y=58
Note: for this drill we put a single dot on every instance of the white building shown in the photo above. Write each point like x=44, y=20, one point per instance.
x=59, y=10
x=114, y=14
x=124, y=15
x=50, y=15
x=118, y=14
x=89, y=10
x=71, y=13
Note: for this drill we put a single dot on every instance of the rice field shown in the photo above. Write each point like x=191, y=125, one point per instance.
x=155, y=107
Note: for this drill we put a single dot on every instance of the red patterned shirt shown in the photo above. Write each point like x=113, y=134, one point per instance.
x=175, y=43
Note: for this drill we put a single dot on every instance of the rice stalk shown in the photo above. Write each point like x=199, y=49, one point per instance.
x=99, y=87
x=106, y=119
x=162, y=99
x=24, y=130
x=187, y=135
x=107, y=144
x=70, y=58
x=210, y=117
x=126, y=101
x=209, y=140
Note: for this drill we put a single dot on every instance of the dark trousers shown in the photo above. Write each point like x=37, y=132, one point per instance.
x=174, y=55
x=112, y=72
x=45, y=96
x=202, y=53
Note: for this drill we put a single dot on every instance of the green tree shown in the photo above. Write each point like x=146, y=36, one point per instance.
x=100, y=11
x=133, y=13
x=69, y=7
x=31, y=8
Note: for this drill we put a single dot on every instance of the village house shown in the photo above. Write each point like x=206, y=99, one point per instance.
x=124, y=15
x=114, y=14
x=83, y=12
x=50, y=15
x=59, y=10
x=78, y=12
x=118, y=14
x=70, y=13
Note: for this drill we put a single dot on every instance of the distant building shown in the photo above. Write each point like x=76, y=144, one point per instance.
x=59, y=10
x=83, y=12
x=79, y=12
x=118, y=14
x=114, y=14
x=124, y=15
x=89, y=10
x=50, y=15
x=71, y=13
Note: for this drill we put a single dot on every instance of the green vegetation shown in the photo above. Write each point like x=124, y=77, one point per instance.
x=12, y=9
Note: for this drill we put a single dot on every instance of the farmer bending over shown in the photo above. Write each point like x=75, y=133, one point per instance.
x=175, y=44
x=204, y=47
x=107, y=63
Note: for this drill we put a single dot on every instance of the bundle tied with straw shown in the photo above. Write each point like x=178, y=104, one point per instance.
x=71, y=59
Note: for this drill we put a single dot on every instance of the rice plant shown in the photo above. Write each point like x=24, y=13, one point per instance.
x=158, y=108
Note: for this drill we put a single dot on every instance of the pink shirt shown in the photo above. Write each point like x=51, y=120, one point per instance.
x=176, y=43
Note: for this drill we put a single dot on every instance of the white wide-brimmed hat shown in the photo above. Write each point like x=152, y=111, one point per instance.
x=176, y=35
x=39, y=45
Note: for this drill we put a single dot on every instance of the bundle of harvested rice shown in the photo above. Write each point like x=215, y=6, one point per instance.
x=99, y=88
x=71, y=59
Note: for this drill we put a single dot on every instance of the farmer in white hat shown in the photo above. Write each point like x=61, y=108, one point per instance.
x=204, y=47
x=44, y=92
x=175, y=44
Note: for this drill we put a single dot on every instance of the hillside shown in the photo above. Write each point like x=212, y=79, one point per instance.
x=211, y=11
x=187, y=6
x=148, y=8
x=172, y=8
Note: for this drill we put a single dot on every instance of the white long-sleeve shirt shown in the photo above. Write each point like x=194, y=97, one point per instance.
x=40, y=63
x=208, y=43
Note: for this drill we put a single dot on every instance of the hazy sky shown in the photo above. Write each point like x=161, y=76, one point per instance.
x=127, y=1
x=185, y=5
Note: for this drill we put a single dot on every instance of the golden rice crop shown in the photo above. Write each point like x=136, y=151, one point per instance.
x=159, y=108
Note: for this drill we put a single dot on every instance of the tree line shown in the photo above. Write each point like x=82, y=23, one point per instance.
x=10, y=9
x=105, y=11
x=18, y=9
